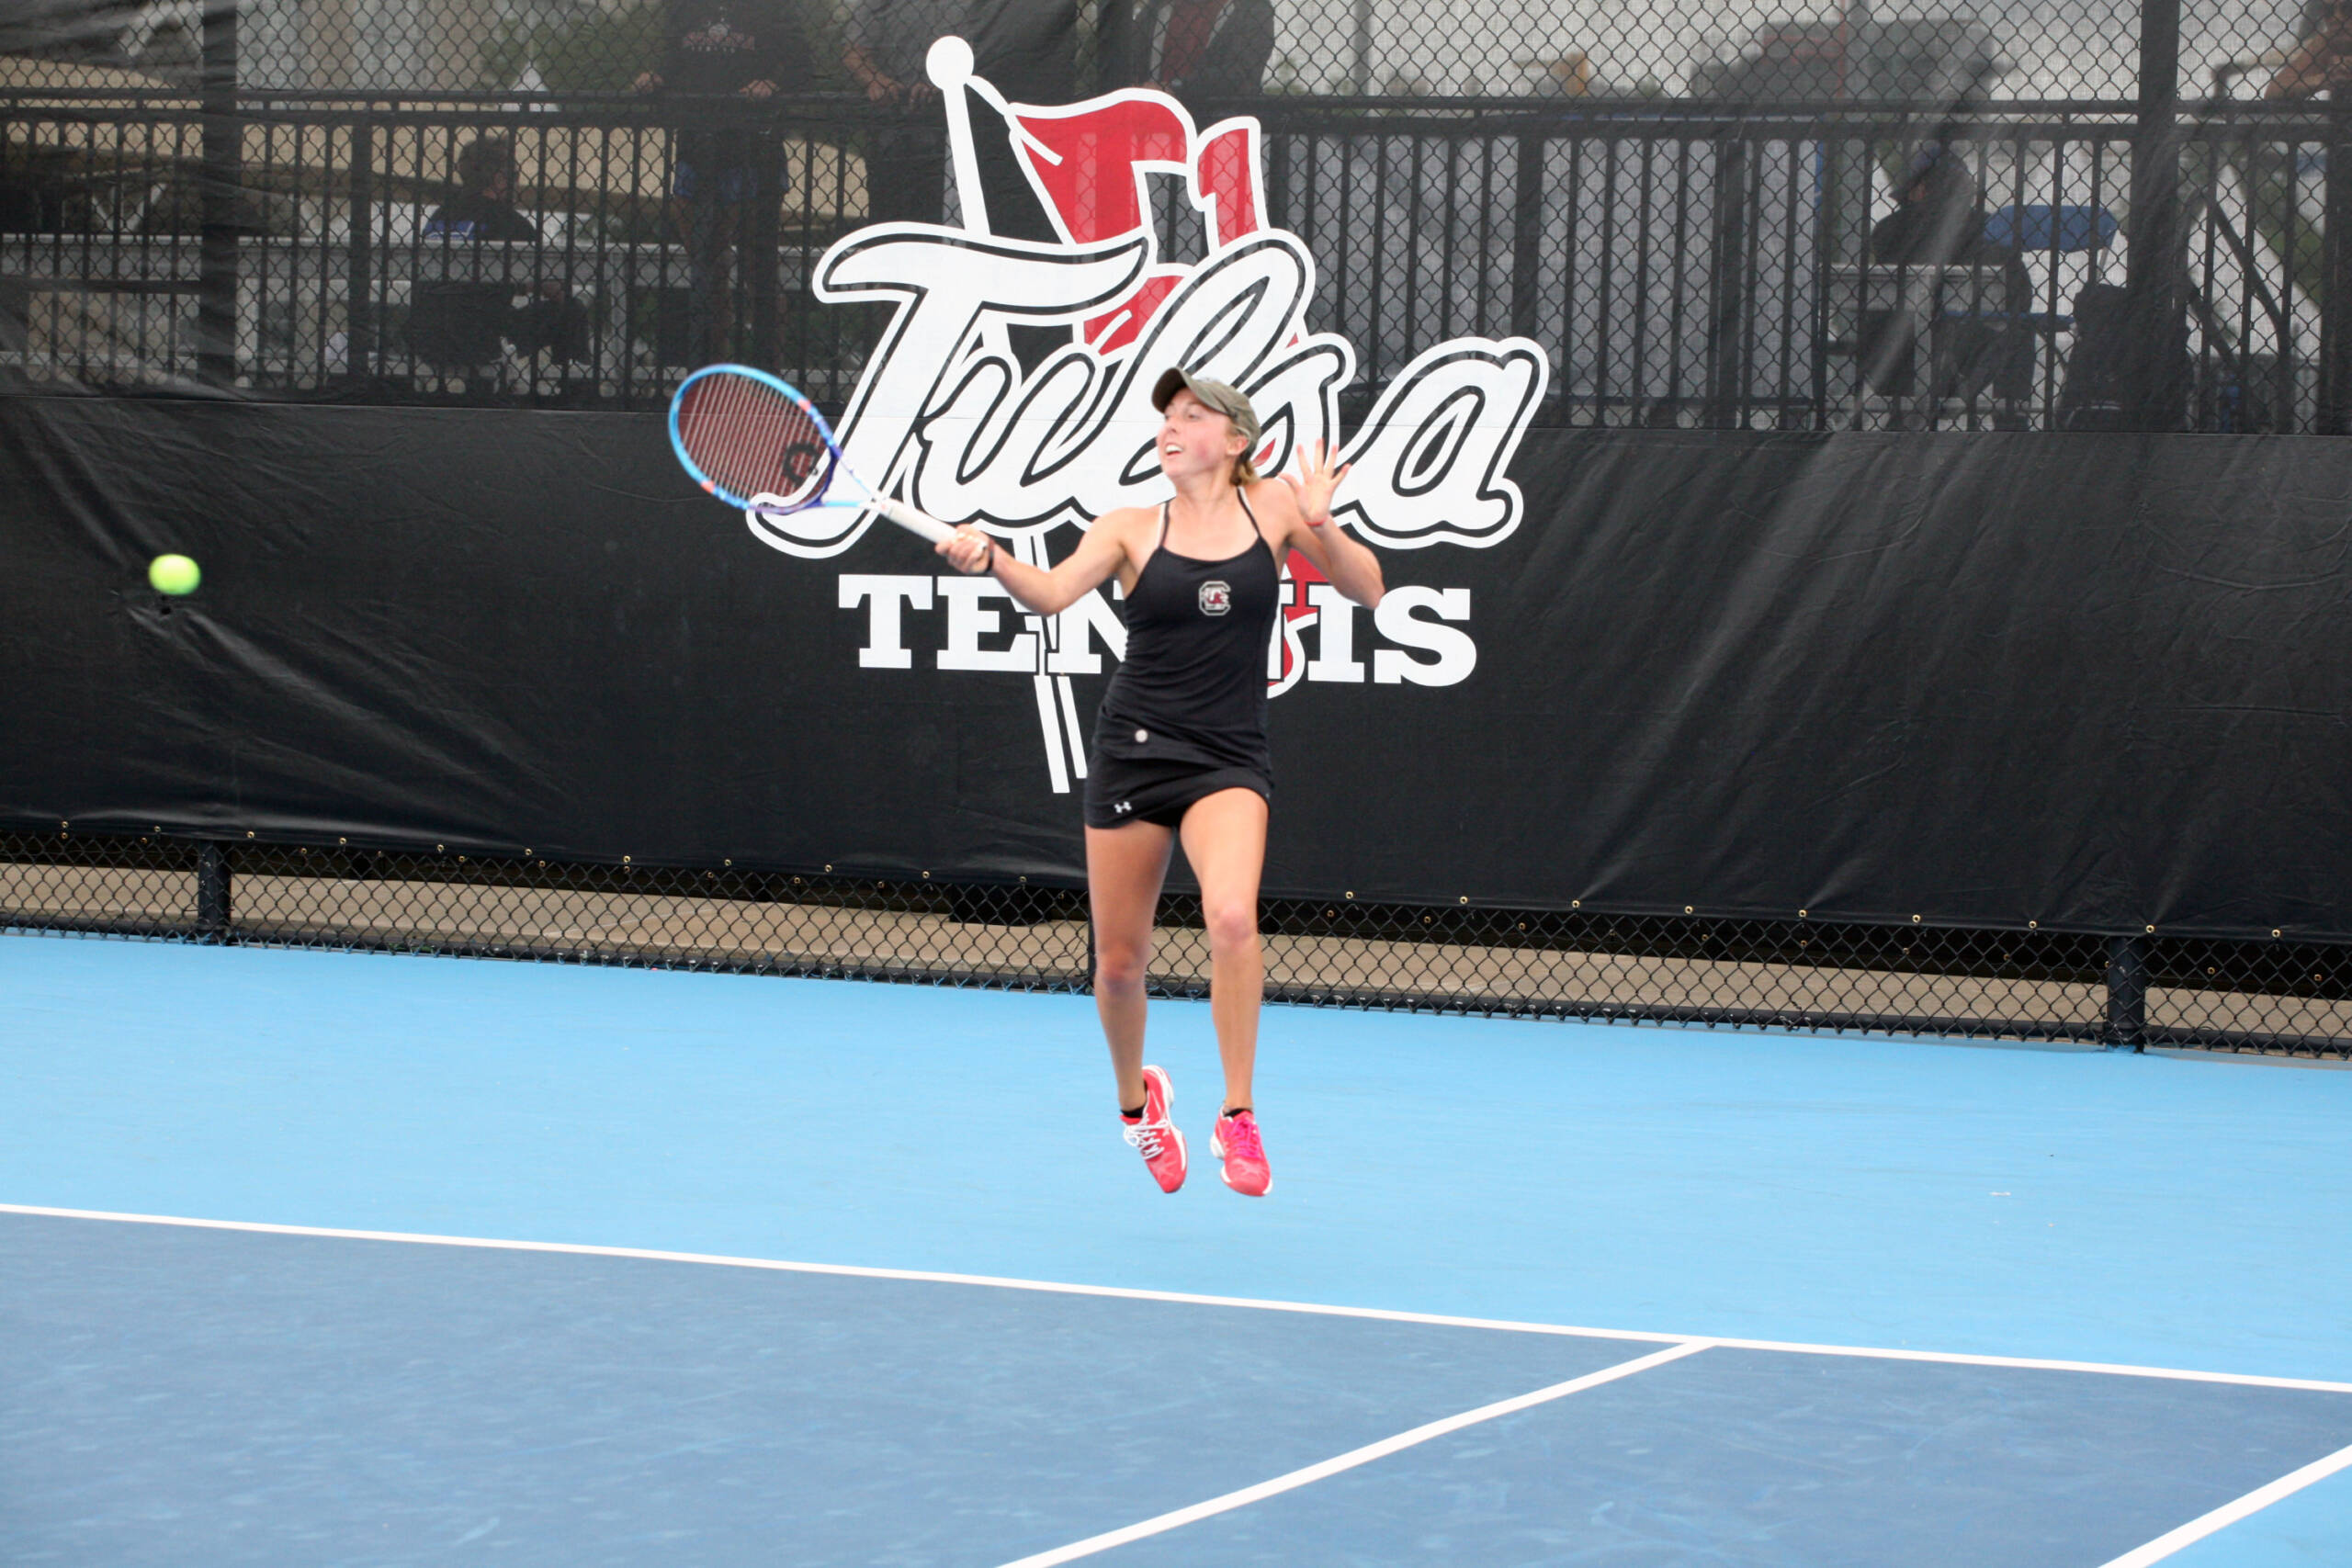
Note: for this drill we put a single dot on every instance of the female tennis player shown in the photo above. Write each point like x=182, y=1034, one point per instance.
x=1179, y=742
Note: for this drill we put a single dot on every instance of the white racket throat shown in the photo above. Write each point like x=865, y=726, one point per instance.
x=913, y=521
x=767, y=507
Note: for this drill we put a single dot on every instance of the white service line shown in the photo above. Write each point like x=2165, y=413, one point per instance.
x=1183, y=1298
x=1353, y=1458
x=2261, y=1497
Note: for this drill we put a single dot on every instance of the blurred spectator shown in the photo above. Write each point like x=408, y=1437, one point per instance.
x=1568, y=75
x=2322, y=58
x=1028, y=49
x=1202, y=50
x=484, y=207
x=1980, y=334
x=886, y=43
x=1024, y=49
x=466, y=323
x=744, y=49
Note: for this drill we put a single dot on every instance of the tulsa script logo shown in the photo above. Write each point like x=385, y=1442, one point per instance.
x=946, y=414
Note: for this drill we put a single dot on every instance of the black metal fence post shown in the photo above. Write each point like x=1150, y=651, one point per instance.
x=223, y=155
x=2335, y=414
x=1360, y=49
x=763, y=242
x=1527, y=235
x=359, y=314
x=2127, y=993
x=2158, y=397
x=1727, y=380
x=1278, y=187
x=212, y=890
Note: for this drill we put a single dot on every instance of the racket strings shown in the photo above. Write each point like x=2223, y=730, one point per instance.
x=749, y=439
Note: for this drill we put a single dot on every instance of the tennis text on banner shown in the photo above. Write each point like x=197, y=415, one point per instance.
x=1417, y=637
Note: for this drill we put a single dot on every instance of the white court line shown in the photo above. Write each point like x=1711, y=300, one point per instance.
x=1247, y=1495
x=1182, y=1298
x=2261, y=1497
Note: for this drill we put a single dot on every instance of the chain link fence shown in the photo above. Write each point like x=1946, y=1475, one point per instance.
x=1715, y=270
x=2280, y=995
x=2037, y=216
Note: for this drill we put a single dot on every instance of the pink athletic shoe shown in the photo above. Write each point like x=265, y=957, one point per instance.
x=1236, y=1141
x=1155, y=1135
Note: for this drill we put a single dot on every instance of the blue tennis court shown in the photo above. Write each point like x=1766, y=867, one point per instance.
x=321, y=1258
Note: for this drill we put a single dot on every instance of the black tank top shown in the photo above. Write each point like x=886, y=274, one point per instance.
x=1193, y=686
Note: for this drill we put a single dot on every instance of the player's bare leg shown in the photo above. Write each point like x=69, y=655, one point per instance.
x=1225, y=840
x=1124, y=868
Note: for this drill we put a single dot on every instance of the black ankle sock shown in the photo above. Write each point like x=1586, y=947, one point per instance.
x=1240, y=1111
x=1136, y=1114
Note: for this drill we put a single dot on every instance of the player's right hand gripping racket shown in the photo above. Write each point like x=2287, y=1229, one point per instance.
x=756, y=442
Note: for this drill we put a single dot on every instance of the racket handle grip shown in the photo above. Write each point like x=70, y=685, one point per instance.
x=914, y=522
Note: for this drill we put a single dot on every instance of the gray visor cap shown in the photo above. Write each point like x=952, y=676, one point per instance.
x=1227, y=400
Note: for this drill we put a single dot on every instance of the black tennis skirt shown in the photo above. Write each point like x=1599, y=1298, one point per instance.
x=1120, y=790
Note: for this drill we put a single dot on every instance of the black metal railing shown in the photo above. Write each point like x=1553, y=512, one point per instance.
x=2132, y=989
x=353, y=275
x=1681, y=264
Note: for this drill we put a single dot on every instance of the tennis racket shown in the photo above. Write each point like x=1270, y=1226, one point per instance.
x=756, y=442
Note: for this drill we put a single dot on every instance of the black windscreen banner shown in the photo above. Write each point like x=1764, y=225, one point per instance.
x=2095, y=680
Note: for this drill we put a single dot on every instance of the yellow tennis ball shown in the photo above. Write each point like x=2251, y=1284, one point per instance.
x=175, y=575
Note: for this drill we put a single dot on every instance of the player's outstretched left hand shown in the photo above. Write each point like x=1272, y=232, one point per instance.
x=1316, y=480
